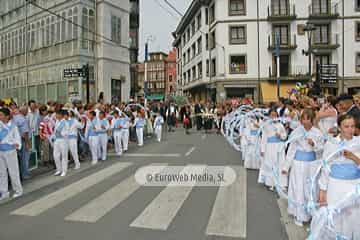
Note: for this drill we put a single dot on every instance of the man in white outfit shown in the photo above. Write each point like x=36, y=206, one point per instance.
x=72, y=140
x=103, y=135
x=158, y=122
x=91, y=134
x=125, y=122
x=10, y=141
x=116, y=131
x=60, y=145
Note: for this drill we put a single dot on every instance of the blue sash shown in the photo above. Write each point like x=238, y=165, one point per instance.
x=305, y=156
x=3, y=133
x=91, y=131
x=345, y=171
x=274, y=139
x=140, y=123
x=59, y=129
x=254, y=132
x=72, y=137
x=6, y=147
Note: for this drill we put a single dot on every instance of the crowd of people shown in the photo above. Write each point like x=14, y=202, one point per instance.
x=308, y=150
x=73, y=132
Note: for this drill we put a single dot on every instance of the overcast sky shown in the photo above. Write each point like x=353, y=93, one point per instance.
x=160, y=23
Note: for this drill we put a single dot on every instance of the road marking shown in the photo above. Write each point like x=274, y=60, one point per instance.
x=103, y=204
x=161, y=211
x=176, y=155
x=41, y=205
x=228, y=217
x=190, y=151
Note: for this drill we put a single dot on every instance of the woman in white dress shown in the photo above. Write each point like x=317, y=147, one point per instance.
x=273, y=151
x=327, y=117
x=252, y=159
x=343, y=178
x=305, y=147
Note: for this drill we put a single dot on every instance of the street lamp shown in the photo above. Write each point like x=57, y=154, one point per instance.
x=150, y=38
x=309, y=29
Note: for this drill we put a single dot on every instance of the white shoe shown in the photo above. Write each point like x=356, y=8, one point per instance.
x=18, y=194
x=4, y=196
x=298, y=223
x=57, y=173
x=77, y=167
x=63, y=174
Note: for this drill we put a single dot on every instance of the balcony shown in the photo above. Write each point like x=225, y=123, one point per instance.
x=289, y=73
x=285, y=44
x=331, y=44
x=319, y=12
x=281, y=14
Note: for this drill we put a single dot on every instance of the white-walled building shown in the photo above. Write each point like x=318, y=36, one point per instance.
x=241, y=38
x=55, y=44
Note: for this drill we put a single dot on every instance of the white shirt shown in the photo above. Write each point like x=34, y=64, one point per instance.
x=13, y=137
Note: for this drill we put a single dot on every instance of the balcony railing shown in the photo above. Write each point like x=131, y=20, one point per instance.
x=281, y=13
x=320, y=12
x=285, y=43
x=293, y=73
x=331, y=43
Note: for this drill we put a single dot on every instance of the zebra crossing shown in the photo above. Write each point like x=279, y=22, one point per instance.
x=227, y=217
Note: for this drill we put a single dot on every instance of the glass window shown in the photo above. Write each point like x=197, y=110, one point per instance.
x=63, y=27
x=238, y=64
x=237, y=7
x=321, y=34
x=357, y=62
x=70, y=25
x=357, y=31
x=84, y=32
x=237, y=34
x=116, y=29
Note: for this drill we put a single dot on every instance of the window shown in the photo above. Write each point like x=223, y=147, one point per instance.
x=84, y=32
x=193, y=28
x=199, y=45
x=207, y=67
x=199, y=21
x=193, y=48
x=237, y=34
x=188, y=55
x=75, y=20
x=237, y=7
x=238, y=64
x=199, y=66
x=279, y=7
x=70, y=25
x=32, y=37
x=207, y=41
x=170, y=78
x=188, y=34
x=213, y=67
x=63, y=27
x=357, y=63
x=58, y=30
x=206, y=16
x=320, y=6
x=193, y=73
x=321, y=34
x=52, y=30
x=116, y=29
x=283, y=32
x=357, y=31
x=212, y=13
x=357, y=5
x=212, y=40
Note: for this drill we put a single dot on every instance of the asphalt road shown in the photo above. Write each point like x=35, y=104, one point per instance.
x=105, y=202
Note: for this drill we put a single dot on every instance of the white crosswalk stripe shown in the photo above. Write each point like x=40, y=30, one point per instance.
x=103, y=204
x=39, y=206
x=228, y=216
x=162, y=210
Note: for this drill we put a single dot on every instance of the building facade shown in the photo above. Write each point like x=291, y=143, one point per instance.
x=36, y=46
x=226, y=48
x=170, y=74
x=156, y=77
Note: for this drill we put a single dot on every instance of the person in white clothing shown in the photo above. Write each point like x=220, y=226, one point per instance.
x=103, y=135
x=341, y=177
x=10, y=141
x=125, y=123
x=252, y=159
x=116, y=131
x=91, y=134
x=306, y=146
x=60, y=146
x=158, y=122
x=273, y=151
x=72, y=140
x=139, y=124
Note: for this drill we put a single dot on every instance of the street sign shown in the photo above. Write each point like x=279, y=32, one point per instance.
x=73, y=72
x=328, y=74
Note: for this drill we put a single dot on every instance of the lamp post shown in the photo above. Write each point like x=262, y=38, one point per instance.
x=309, y=29
x=149, y=39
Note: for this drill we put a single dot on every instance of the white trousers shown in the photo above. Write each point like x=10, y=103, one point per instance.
x=94, y=148
x=117, y=142
x=9, y=165
x=158, y=131
x=61, y=155
x=140, y=136
x=125, y=139
x=73, y=147
x=103, y=140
